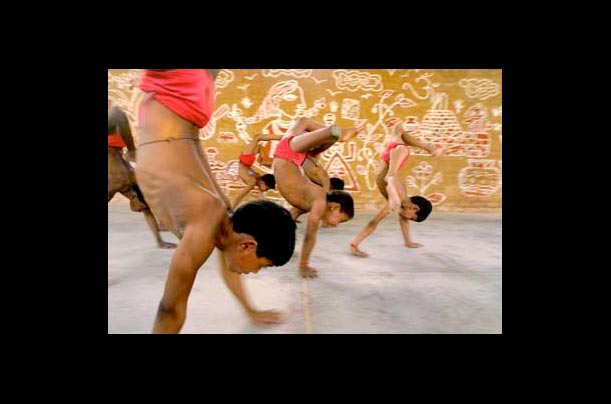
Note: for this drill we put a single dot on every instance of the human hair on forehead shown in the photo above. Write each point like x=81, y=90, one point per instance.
x=425, y=207
x=271, y=226
x=337, y=183
x=269, y=180
x=345, y=201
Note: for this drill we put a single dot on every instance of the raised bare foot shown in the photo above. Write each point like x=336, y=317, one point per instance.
x=350, y=132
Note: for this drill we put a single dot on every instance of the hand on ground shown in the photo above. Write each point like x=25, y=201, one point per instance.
x=267, y=317
x=307, y=271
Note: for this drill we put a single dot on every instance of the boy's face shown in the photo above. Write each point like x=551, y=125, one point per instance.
x=409, y=210
x=334, y=215
x=242, y=258
x=263, y=186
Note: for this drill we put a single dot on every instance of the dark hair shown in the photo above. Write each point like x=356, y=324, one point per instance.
x=269, y=180
x=117, y=118
x=337, y=183
x=425, y=207
x=345, y=201
x=271, y=225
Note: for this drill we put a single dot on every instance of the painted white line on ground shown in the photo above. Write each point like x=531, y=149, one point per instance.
x=306, y=306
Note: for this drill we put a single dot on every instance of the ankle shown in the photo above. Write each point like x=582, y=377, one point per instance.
x=336, y=131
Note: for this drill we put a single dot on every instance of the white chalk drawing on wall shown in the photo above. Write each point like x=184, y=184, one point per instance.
x=246, y=102
x=237, y=116
x=226, y=174
x=480, y=178
x=439, y=100
x=424, y=178
x=441, y=127
x=498, y=112
x=353, y=80
x=282, y=105
x=223, y=78
x=409, y=71
x=287, y=72
x=338, y=158
x=458, y=106
x=227, y=137
x=318, y=81
x=329, y=119
x=350, y=109
x=476, y=118
x=428, y=87
x=123, y=92
x=208, y=131
x=251, y=77
x=480, y=88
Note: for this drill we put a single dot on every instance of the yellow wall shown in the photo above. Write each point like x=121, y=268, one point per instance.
x=459, y=109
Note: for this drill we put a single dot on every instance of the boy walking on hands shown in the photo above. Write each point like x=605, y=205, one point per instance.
x=309, y=137
x=416, y=208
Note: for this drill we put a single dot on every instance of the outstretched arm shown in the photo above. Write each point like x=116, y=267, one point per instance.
x=406, y=234
x=234, y=283
x=242, y=194
x=316, y=213
x=253, y=145
x=192, y=251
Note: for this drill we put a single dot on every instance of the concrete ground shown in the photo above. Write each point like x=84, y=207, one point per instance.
x=452, y=285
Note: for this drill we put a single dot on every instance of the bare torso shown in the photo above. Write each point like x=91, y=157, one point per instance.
x=294, y=187
x=174, y=175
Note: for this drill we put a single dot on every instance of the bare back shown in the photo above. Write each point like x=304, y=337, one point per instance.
x=294, y=187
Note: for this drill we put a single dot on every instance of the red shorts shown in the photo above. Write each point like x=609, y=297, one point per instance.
x=284, y=152
x=189, y=93
x=248, y=159
x=389, y=147
x=115, y=140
